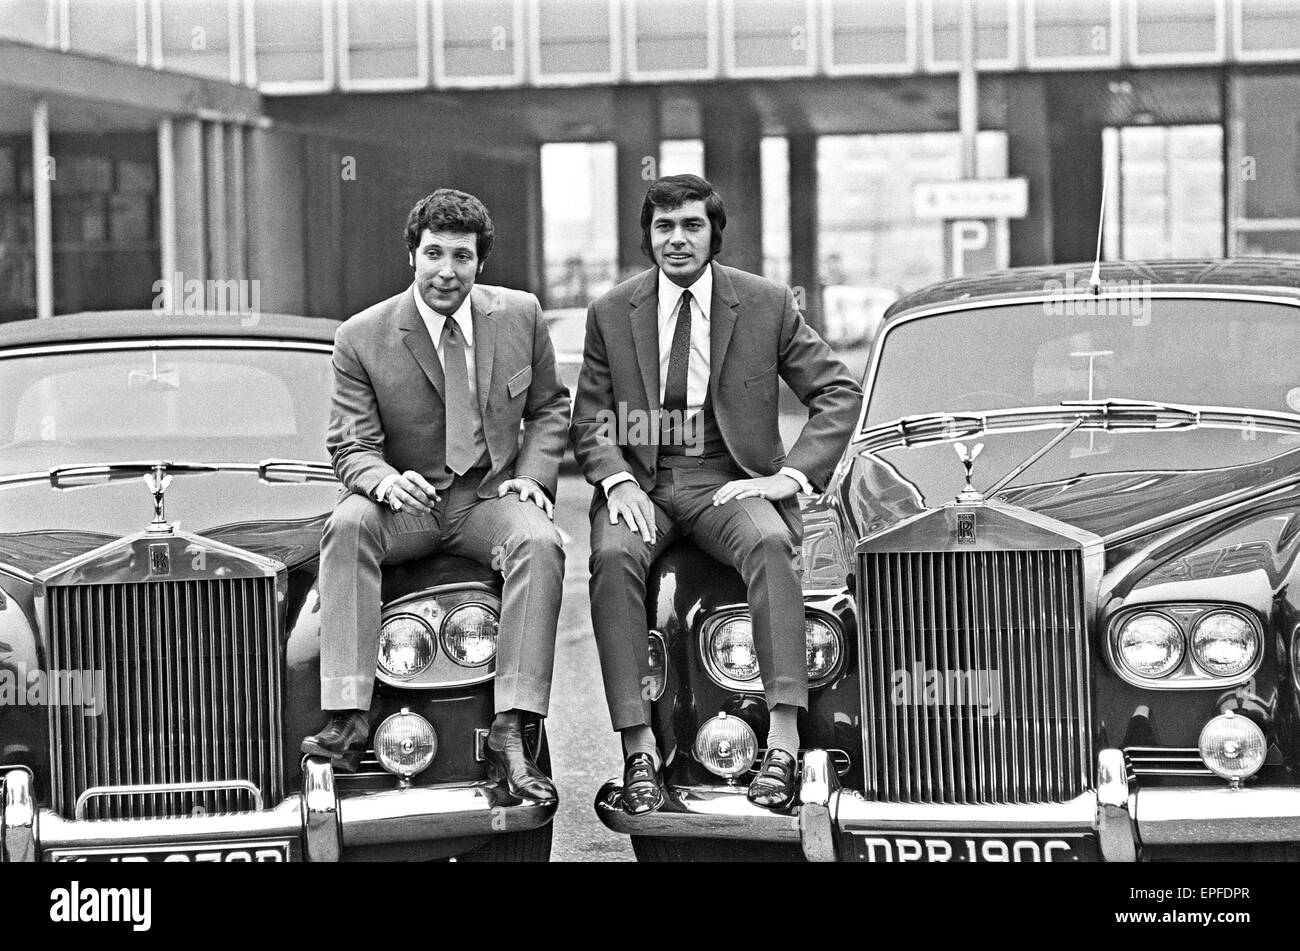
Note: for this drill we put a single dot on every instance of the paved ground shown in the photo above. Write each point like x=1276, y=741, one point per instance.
x=584, y=750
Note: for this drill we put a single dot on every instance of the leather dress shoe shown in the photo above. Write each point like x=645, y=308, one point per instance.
x=342, y=741
x=514, y=767
x=643, y=787
x=773, y=787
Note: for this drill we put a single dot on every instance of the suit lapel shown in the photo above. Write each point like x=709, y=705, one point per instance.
x=485, y=346
x=645, y=334
x=416, y=337
x=722, y=321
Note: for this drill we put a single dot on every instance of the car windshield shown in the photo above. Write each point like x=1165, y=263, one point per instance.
x=1197, y=351
x=197, y=404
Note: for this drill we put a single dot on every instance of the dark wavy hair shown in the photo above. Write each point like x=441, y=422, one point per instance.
x=450, y=210
x=671, y=193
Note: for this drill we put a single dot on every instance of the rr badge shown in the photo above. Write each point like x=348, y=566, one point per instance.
x=965, y=528
x=160, y=560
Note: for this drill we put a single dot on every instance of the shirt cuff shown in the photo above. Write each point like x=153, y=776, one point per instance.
x=799, y=477
x=381, y=490
x=610, y=481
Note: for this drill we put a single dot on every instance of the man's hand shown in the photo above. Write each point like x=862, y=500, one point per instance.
x=773, y=488
x=528, y=491
x=412, y=491
x=633, y=506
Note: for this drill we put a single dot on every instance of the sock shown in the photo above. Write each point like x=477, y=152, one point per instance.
x=783, y=733
x=507, y=732
x=641, y=739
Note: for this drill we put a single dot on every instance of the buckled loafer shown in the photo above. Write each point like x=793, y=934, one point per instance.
x=522, y=777
x=342, y=741
x=774, y=786
x=643, y=787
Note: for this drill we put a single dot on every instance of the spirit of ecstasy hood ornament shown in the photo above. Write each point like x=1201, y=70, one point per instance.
x=157, y=481
x=969, y=494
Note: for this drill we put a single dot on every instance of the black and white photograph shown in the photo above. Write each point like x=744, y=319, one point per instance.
x=451, y=432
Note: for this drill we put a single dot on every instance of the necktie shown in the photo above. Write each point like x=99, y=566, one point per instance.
x=459, y=413
x=675, y=388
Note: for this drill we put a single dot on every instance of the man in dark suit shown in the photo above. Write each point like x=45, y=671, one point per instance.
x=430, y=390
x=696, y=348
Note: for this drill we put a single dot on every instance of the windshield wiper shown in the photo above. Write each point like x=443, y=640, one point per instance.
x=71, y=476
x=924, y=427
x=1144, y=411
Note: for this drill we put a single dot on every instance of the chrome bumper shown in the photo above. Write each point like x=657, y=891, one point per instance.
x=1123, y=816
x=324, y=820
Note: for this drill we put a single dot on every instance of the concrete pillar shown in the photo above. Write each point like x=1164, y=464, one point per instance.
x=636, y=165
x=167, y=205
x=277, y=252
x=42, y=209
x=534, y=225
x=805, y=226
x=236, y=205
x=190, y=218
x=216, y=176
x=1029, y=156
x=733, y=136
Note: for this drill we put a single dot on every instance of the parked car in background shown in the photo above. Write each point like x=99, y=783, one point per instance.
x=163, y=490
x=1051, y=590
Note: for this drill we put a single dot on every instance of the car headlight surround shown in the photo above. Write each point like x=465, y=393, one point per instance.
x=433, y=605
x=407, y=646
x=1225, y=643
x=469, y=634
x=658, y=650
x=727, y=649
x=824, y=649
x=405, y=744
x=1221, y=644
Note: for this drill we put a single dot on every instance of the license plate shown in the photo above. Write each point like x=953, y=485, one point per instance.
x=971, y=847
x=262, y=850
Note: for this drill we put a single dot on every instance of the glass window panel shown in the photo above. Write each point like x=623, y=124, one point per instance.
x=290, y=38
x=195, y=37
x=27, y=21
x=104, y=28
x=992, y=31
x=681, y=157
x=382, y=39
x=1079, y=29
x=672, y=35
x=1270, y=25
x=1168, y=28
x=479, y=38
x=574, y=37
x=771, y=34
x=868, y=34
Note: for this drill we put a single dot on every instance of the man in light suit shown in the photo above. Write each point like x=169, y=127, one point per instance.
x=698, y=348
x=431, y=388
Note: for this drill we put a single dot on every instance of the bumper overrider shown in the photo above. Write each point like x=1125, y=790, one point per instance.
x=321, y=819
x=1122, y=816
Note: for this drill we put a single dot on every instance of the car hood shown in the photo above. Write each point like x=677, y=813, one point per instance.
x=1102, y=482
x=41, y=527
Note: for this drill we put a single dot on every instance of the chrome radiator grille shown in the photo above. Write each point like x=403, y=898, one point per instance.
x=975, y=671
x=192, y=683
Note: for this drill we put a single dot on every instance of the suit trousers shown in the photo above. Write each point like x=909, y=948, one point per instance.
x=506, y=533
x=748, y=534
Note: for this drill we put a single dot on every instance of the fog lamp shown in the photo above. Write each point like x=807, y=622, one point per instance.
x=406, y=646
x=726, y=746
x=1232, y=746
x=405, y=744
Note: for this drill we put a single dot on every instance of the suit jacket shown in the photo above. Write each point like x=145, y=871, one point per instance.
x=756, y=334
x=388, y=415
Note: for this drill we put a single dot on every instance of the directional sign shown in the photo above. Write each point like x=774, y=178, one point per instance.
x=971, y=198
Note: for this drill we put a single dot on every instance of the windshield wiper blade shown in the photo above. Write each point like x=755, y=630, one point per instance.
x=1146, y=411
x=97, y=473
x=911, y=430
x=295, y=471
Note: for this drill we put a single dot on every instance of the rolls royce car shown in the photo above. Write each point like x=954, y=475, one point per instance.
x=164, y=487
x=1051, y=590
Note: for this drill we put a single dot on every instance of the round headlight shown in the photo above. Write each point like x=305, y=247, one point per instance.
x=405, y=744
x=406, y=646
x=469, y=634
x=1151, y=645
x=823, y=649
x=1232, y=746
x=1224, y=643
x=726, y=746
x=731, y=648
